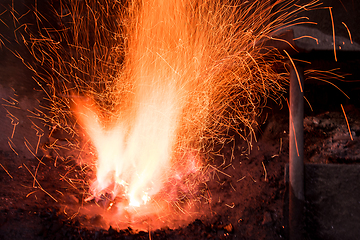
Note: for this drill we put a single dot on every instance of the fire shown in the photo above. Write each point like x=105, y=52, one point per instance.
x=151, y=85
x=136, y=146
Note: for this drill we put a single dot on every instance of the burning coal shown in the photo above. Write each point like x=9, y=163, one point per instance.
x=145, y=88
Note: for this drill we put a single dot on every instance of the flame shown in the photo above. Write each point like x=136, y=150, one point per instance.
x=177, y=69
x=154, y=84
x=135, y=146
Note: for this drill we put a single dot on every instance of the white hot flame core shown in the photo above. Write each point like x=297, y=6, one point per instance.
x=136, y=149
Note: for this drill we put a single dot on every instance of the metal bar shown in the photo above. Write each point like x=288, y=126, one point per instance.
x=296, y=154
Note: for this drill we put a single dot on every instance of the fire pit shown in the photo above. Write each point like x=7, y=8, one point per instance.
x=162, y=133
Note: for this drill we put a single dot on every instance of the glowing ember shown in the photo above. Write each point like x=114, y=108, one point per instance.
x=153, y=84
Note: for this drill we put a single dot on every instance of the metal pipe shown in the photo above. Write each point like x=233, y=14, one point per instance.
x=296, y=154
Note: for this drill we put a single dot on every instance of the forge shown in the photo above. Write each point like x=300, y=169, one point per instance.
x=170, y=119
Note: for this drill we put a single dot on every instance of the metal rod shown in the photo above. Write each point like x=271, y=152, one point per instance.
x=296, y=154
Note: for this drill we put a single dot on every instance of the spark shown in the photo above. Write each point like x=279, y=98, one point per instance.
x=326, y=81
x=39, y=134
x=12, y=145
x=6, y=170
x=230, y=206
x=14, y=121
x=38, y=184
x=31, y=193
x=296, y=71
x=59, y=192
x=241, y=179
x=307, y=101
x=348, y=32
x=232, y=187
x=264, y=171
x=343, y=5
x=301, y=37
x=220, y=171
x=30, y=148
x=252, y=179
x=333, y=32
x=347, y=122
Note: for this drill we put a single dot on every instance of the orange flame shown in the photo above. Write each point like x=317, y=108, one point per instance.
x=153, y=83
x=178, y=70
x=136, y=145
